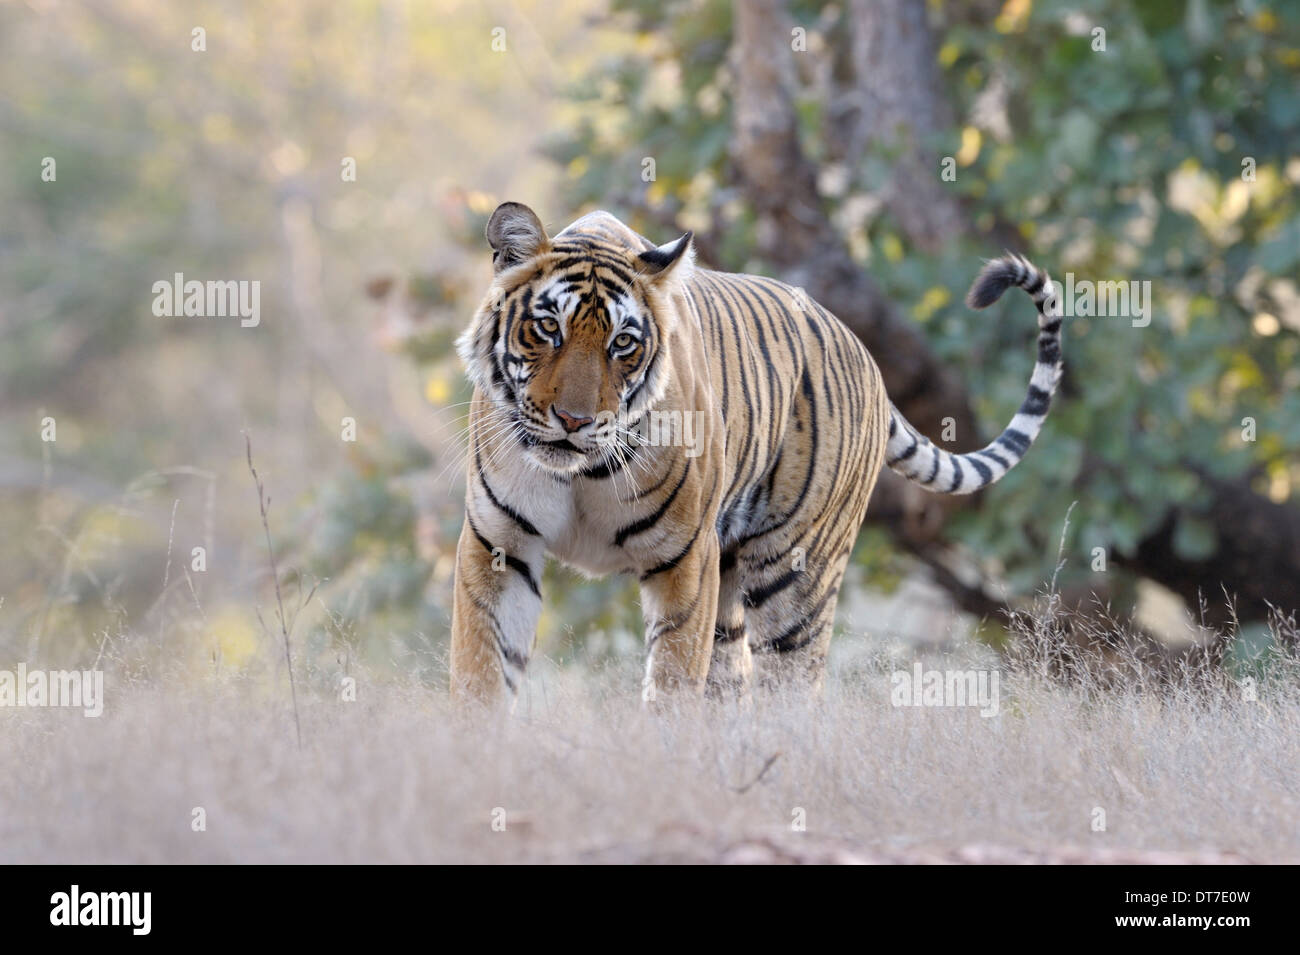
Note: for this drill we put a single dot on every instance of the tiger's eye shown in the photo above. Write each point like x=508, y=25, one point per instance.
x=549, y=325
x=622, y=341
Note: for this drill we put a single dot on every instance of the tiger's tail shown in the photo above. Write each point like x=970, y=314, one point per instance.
x=914, y=456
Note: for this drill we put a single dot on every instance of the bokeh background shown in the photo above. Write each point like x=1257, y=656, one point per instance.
x=804, y=140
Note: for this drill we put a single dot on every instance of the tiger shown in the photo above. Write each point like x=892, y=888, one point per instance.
x=739, y=525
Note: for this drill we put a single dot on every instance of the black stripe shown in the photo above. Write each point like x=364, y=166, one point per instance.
x=646, y=492
x=510, y=654
x=591, y=255
x=728, y=634
x=814, y=445
x=786, y=642
x=1049, y=350
x=651, y=520
x=957, y=474
x=514, y=563
x=986, y=475
x=605, y=468
x=908, y=453
x=1014, y=440
x=510, y=684
x=524, y=524
x=934, y=471
x=1036, y=402
x=672, y=562
x=756, y=598
x=498, y=373
x=645, y=375
x=499, y=638
x=678, y=620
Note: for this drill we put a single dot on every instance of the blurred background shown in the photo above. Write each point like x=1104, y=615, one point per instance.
x=346, y=155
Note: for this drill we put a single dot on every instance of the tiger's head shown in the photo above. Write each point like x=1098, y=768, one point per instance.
x=570, y=344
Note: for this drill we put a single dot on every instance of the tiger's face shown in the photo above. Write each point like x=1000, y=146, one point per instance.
x=569, y=344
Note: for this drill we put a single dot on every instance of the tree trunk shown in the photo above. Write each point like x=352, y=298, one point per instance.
x=901, y=106
x=797, y=236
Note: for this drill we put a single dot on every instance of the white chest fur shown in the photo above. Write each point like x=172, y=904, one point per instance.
x=597, y=511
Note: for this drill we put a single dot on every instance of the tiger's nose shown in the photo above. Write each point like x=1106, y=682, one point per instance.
x=571, y=422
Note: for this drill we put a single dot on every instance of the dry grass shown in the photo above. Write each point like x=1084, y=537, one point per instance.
x=584, y=774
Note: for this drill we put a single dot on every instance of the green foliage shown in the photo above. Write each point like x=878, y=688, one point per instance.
x=1127, y=164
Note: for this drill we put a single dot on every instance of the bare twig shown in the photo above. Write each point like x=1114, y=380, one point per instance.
x=761, y=773
x=167, y=571
x=264, y=503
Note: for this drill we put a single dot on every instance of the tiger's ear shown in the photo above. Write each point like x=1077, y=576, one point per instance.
x=515, y=234
x=671, y=257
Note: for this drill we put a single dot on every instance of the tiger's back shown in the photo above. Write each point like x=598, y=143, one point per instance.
x=788, y=376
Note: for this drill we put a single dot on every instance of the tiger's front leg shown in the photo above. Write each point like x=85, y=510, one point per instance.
x=680, y=603
x=495, y=610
